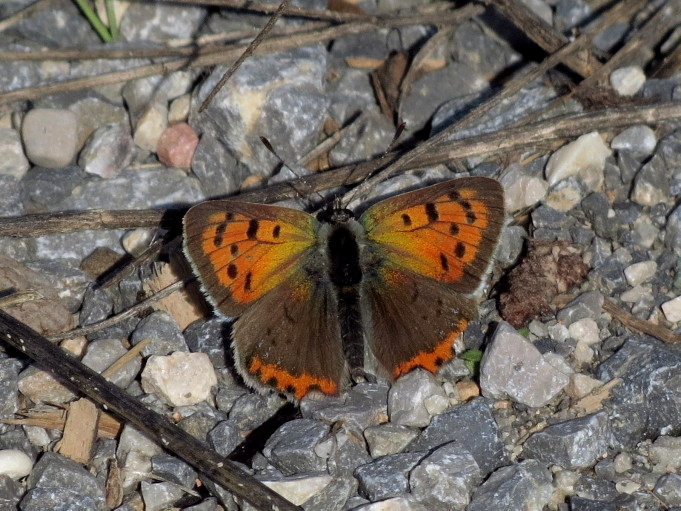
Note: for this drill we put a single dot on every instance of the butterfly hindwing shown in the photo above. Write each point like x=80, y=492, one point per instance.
x=290, y=339
x=412, y=321
x=447, y=232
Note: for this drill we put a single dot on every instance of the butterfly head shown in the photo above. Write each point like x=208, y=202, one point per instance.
x=335, y=216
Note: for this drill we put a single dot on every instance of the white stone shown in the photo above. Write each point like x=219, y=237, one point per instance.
x=585, y=330
x=393, y=504
x=520, y=189
x=636, y=294
x=672, y=309
x=565, y=195
x=622, y=462
x=297, y=489
x=179, y=109
x=558, y=332
x=638, y=273
x=15, y=463
x=150, y=126
x=14, y=162
x=584, y=157
x=627, y=81
x=134, y=454
x=406, y=398
x=581, y=385
x=639, y=138
x=180, y=379
x=583, y=352
x=513, y=367
x=50, y=136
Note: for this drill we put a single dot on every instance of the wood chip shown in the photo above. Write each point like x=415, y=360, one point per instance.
x=80, y=431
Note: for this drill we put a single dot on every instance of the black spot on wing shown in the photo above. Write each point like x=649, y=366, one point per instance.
x=232, y=271
x=252, y=232
x=459, y=250
x=234, y=249
x=247, y=282
x=219, y=234
x=431, y=212
x=276, y=231
x=406, y=220
x=444, y=263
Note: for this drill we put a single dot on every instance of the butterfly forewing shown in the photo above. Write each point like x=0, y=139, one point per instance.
x=447, y=232
x=241, y=251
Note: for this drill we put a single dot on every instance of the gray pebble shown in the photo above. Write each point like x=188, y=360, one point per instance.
x=224, y=437
x=159, y=496
x=637, y=139
x=388, y=438
x=291, y=449
x=10, y=492
x=288, y=106
x=513, y=367
x=55, y=472
x=470, y=425
x=445, y=479
x=14, y=162
x=586, y=305
x=524, y=485
x=216, y=167
x=407, y=398
x=668, y=489
x=363, y=405
x=108, y=151
x=102, y=353
x=386, y=477
x=50, y=136
x=645, y=397
x=575, y=443
x=173, y=469
x=164, y=333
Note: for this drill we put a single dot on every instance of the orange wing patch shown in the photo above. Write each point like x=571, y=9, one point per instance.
x=251, y=256
x=434, y=359
x=241, y=251
x=437, y=239
x=295, y=385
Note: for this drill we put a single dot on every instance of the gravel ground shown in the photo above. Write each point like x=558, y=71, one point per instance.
x=574, y=405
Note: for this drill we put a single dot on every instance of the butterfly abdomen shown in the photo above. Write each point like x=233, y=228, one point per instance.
x=345, y=274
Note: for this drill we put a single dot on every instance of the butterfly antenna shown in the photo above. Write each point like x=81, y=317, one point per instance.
x=271, y=149
x=396, y=137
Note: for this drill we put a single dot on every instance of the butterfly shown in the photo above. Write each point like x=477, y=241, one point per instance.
x=310, y=292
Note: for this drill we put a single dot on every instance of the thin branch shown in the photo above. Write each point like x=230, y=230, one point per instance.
x=640, y=325
x=100, y=325
x=247, y=53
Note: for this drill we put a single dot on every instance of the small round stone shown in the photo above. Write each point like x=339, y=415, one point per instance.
x=627, y=81
x=50, y=136
x=638, y=273
x=672, y=309
x=177, y=145
x=15, y=463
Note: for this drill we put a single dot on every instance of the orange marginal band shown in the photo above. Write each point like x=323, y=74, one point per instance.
x=432, y=360
x=285, y=382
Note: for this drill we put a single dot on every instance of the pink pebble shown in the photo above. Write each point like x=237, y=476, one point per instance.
x=176, y=146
